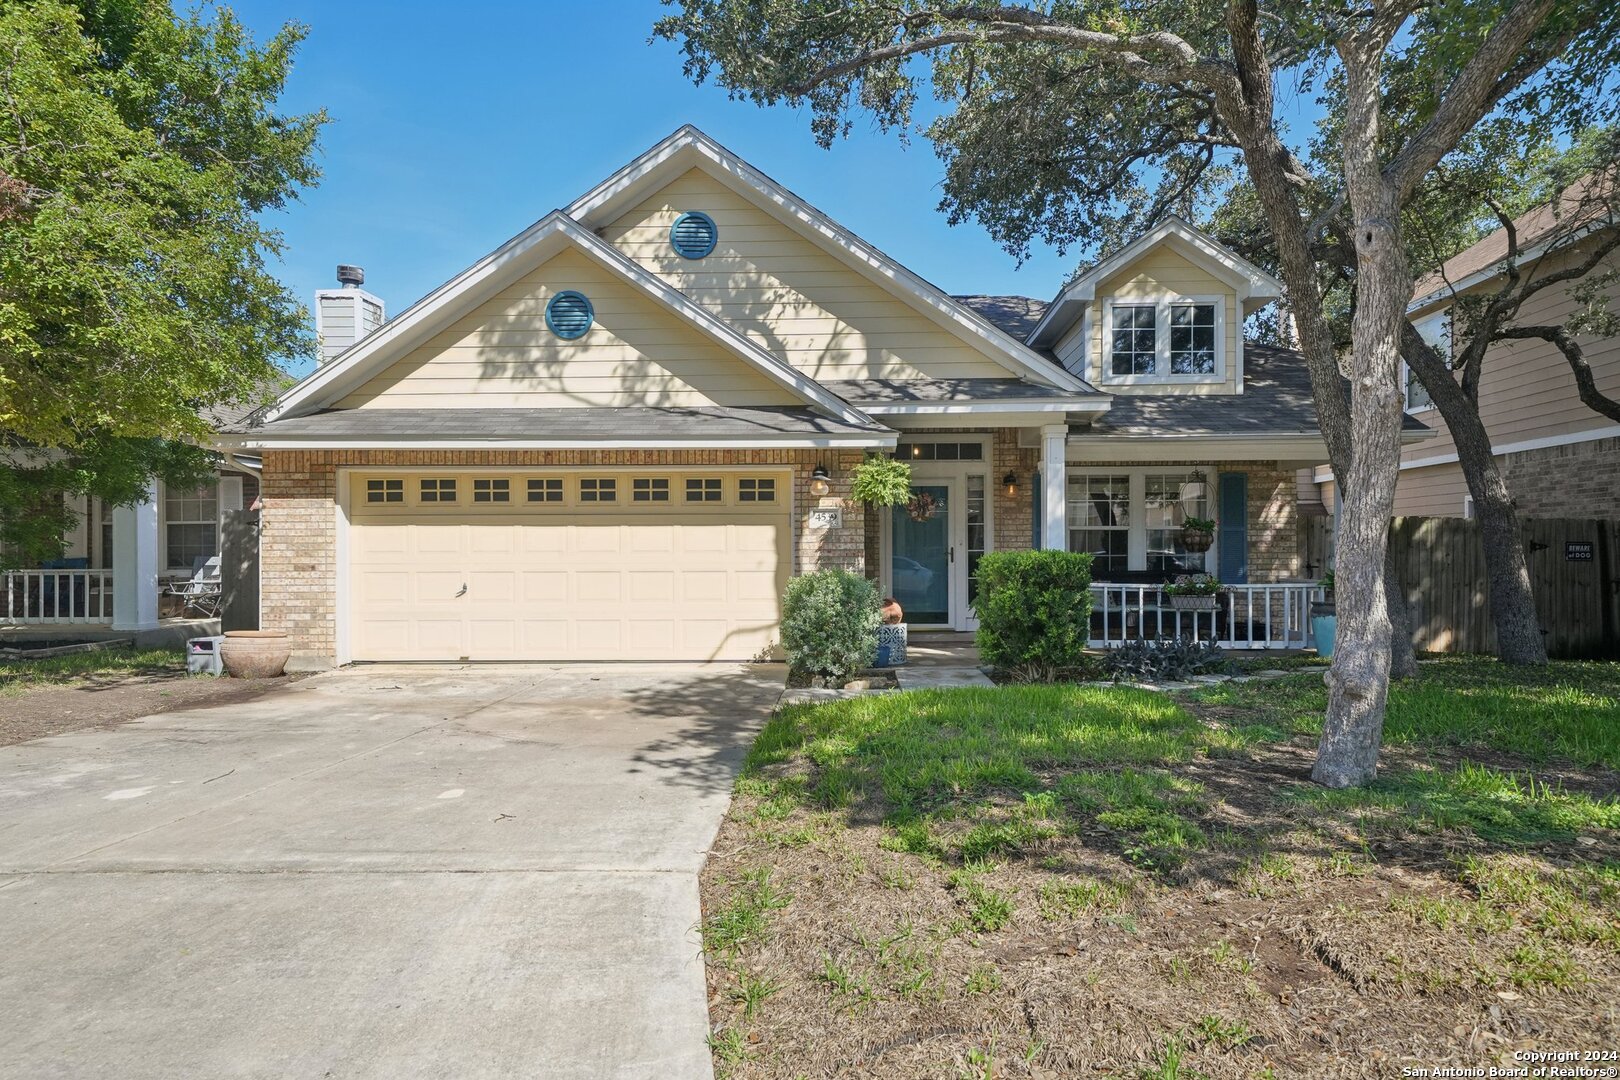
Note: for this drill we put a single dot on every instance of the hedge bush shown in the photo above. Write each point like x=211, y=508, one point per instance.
x=1034, y=612
x=829, y=623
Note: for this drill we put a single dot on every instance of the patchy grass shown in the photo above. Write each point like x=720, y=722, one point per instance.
x=17, y=676
x=1565, y=710
x=1062, y=880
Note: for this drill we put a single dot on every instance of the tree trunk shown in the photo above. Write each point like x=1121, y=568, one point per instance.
x=1519, y=639
x=1512, y=601
x=1358, y=682
x=1402, y=657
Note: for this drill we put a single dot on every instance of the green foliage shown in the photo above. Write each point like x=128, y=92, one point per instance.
x=1034, y=611
x=880, y=480
x=140, y=151
x=829, y=622
x=1193, y=585
x=1171, y=658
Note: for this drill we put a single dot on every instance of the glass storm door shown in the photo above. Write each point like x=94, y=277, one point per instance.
x=922, y=562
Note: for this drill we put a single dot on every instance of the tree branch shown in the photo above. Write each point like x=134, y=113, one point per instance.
x=1483, y=81
x=1591, y=396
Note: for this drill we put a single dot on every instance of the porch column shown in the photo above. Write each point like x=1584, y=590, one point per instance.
x=1054, y=488
x=135, y=563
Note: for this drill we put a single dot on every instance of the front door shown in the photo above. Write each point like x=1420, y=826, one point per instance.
x=923, y=556
x=934, y=548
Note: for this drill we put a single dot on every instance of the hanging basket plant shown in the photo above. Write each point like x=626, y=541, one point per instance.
x=922, y=506
x=1198, y=534
x=880, y=481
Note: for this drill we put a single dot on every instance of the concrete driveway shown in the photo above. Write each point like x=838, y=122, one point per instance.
x=382, y=872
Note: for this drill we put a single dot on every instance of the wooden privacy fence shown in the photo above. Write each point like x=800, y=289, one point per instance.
x=1574, y=572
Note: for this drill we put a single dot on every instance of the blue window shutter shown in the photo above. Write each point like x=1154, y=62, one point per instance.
x=1233, y=527
x=1035, y=519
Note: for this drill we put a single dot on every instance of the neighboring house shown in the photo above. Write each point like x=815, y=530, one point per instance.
x=1558, y=457
x=616, y=436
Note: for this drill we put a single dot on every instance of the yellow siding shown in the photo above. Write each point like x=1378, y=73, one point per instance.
x=1526, y=390
x=1160, y=272
x=637, y=353
x=790, y=296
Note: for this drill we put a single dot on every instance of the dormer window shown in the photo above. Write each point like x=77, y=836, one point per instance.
x=1170, y=340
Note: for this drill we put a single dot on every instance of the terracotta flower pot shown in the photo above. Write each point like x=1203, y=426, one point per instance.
x=891, y=612
x=255, y=654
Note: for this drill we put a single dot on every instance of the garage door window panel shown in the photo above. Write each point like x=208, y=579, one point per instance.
x=438, y=490
x=756, y=489
x=645, y=489
x=492, y=490
x=598, y=490
x=545, y=489
x=385, y=491
x=704, y=489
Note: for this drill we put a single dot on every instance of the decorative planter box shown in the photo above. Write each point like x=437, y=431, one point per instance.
x=1193, y=603
x=891, y=645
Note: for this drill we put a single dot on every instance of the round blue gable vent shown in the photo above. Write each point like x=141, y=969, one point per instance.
x=569, y=315
x=693, y=235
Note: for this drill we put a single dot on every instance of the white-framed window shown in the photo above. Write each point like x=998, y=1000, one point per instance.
x=1130, y=520
x=190, y=526
x=1100, y=522
x=1436, y=330
x=1170, y=339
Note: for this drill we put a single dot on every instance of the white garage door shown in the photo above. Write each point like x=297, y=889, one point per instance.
x=566, y=566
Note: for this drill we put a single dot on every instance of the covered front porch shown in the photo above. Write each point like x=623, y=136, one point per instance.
x=1057, y=487
x=129, y=569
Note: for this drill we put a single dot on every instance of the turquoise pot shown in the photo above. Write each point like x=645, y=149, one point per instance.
x=1324, y=623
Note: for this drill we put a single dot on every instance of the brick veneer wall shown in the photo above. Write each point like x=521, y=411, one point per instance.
x=1579, y=480
x=298, y=539
x=1014, y=517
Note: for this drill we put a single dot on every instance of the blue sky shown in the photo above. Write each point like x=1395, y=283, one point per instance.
x=451, y=134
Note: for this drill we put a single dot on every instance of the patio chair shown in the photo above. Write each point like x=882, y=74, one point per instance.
x=203, y=591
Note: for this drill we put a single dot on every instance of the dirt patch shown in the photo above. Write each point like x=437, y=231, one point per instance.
x=1296, y=943
x=114, y=699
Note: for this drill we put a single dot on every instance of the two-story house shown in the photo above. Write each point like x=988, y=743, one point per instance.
x=618, y=435
x=1559, y=457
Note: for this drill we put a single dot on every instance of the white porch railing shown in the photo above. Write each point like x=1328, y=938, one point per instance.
x=1245, y=616
x=57, y=596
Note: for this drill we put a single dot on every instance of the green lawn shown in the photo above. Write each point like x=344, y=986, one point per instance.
x=19, y=675
x=999, y=881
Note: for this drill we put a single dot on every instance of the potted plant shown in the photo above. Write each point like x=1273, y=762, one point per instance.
x=1324, y=618
x=891, y=634
x=1198, y=534
x=1193, y=592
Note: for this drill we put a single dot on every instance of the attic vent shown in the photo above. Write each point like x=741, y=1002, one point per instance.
x=569, y=315
x=693, y=235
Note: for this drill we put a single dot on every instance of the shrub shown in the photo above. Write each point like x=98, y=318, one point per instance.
x=829, y=622
x=1034, y=611
x=1168, y=659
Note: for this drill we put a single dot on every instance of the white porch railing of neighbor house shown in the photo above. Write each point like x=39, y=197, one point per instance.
x=57, y=596
x=1245, y=616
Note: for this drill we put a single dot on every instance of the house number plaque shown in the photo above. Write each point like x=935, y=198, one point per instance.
x=827, y=517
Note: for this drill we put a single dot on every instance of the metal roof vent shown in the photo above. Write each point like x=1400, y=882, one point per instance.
x=351, y=277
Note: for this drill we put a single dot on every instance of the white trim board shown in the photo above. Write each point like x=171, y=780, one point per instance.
x=1324, y=473
x=753, y=442
x=688, y=147
x=508, y=263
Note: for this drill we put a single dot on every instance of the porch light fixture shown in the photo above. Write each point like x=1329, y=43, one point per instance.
x=1009, y=484
x=818, y=482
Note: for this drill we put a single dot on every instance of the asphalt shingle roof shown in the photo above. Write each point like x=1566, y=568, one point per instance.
x=893, y=391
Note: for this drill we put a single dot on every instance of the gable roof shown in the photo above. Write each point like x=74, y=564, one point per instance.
x=689, y=148
x=504, y=265
x=1585, y=206
x=1251, y=282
